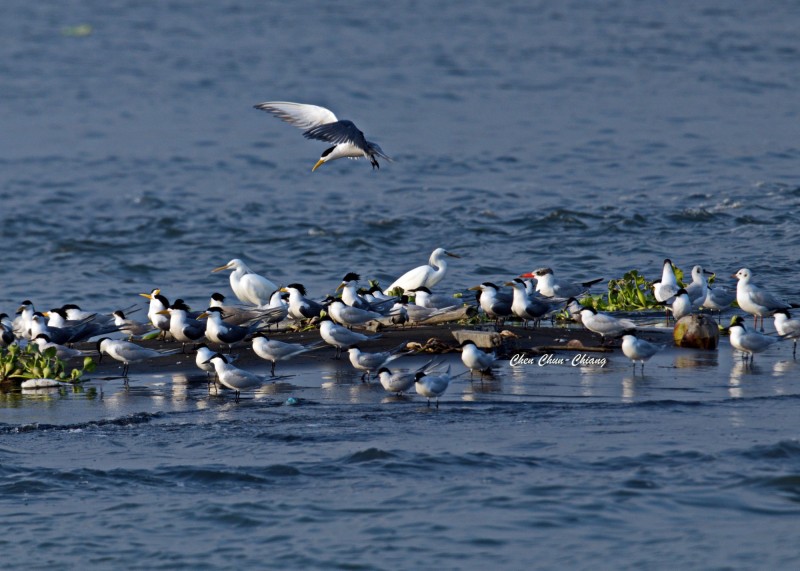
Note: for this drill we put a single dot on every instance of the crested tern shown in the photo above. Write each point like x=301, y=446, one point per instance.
x=321, y=124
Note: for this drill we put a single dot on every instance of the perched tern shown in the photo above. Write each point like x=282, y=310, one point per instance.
x=24, y=320
x=340, y=337
x=350, y=316
x=321, y=124
x=352, y=298
x=217, y=331
x=247, y=285
x=182, y=327
x=494, y=305
x=574, y=308
x=432, y=385
x=349, y=289
x=274, y=351
x=203, y=357
x=476, y=360
x=548, y=286
x=397, y=382
x=130, y=326
x=423, y=297
x=58, y=335
x=754, y=300
x=603, y=324
x=424, y=276
x=128, y=352
x=62, y=352
x=156, y=309
x=666, y=288
x=525, y=307
x=7, y=336
x=238, y=315
x=234, y=378
x=638, y=350
x=300, y=307
x=681, y=304
x=787, y=327
x=749, y=342
x=369, y=362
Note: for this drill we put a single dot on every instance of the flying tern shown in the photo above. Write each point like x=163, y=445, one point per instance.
x=321, y=124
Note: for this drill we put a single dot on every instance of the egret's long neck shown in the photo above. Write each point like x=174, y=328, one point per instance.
x=439, y=265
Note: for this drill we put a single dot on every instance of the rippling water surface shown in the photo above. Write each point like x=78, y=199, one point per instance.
x=590, y=137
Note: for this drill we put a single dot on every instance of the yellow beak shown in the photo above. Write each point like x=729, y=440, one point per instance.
x=219, y=269
x=319, y=164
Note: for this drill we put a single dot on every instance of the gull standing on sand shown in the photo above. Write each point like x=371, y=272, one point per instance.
x=321, y=124
x=247, y=285
x=424, y=276
x=698, y=288
x=754, y=300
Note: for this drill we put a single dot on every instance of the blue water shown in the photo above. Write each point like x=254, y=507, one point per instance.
x=592, y=137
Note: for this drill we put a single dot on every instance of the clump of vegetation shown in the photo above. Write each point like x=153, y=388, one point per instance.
x=18, y=364
x=631, y=292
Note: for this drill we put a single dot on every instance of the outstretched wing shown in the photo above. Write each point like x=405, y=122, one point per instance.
x=299, y=114
x=337, y=133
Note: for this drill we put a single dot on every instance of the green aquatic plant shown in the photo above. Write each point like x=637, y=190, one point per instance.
x=632, y=292
x=18, y=364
